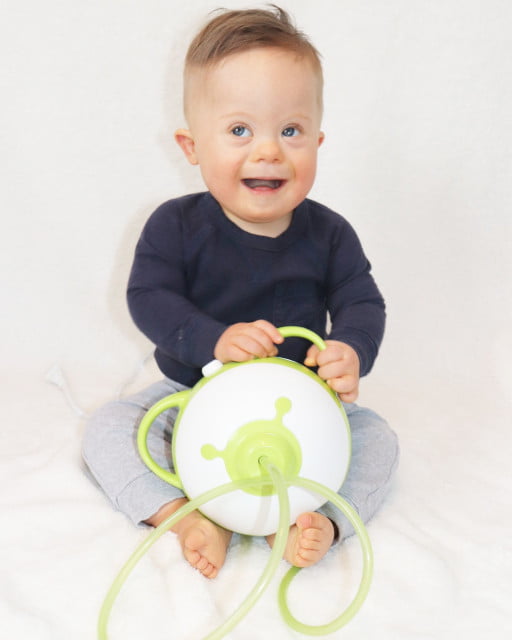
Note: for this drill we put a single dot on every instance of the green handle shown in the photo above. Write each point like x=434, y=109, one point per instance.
x=300, y=332
x=174, y=400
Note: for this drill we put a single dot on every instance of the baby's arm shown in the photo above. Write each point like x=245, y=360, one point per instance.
x=338, y=365
x=247, y=340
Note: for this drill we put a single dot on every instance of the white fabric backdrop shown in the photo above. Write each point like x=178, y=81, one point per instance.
x=418, y=156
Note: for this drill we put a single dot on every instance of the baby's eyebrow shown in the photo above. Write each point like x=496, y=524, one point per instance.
x=242, y=115
x=236, y=115
x=299, y=116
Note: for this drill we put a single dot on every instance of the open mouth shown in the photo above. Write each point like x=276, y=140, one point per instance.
x=262, y=183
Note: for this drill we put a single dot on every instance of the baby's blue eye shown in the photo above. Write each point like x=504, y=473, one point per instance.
x=241, y=131
x=289, y=132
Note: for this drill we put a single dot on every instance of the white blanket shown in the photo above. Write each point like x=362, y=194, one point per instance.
x=442, y=544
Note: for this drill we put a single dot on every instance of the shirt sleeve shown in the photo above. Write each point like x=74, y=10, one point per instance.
x=355, y=304
x=157, y=295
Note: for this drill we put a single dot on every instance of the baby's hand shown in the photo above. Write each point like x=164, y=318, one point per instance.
x=247, y=340
x=338, y=365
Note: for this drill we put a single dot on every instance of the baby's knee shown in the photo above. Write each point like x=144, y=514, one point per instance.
x=93, y=433
x=373, y=440
x=388, y=445
x=107, y=425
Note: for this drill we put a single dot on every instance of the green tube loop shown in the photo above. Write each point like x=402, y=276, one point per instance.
x=272, y=563
x=156, y=534
x=143, y=548
x=364, y=585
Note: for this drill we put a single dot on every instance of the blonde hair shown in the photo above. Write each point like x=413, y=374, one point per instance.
x=238, y=31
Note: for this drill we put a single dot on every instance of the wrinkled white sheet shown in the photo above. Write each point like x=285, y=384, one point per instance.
x=443, y=551
x=417, y=156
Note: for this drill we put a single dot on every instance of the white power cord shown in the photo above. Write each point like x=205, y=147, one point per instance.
x=134, y=375
x=55, y=376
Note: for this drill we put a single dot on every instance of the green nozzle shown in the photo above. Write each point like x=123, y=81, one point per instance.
x=257, y=440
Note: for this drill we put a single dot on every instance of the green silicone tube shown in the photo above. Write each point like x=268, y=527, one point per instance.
x=364, y=585
x=143, y=548
x=261, y=585
x=275, y=555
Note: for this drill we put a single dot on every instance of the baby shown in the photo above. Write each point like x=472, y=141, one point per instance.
x=215, y=273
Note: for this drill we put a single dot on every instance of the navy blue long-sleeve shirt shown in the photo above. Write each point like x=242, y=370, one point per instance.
x=195, y=273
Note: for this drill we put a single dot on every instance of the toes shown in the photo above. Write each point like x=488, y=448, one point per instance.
x=202, y=564
x=199, y=562
x=313, y=521
x=315, y=535
x=311, y=536
x=204, y=548
x=305, y=559
x=210, y=571
x=310, y=545
x=306, y=520
x=191, y=556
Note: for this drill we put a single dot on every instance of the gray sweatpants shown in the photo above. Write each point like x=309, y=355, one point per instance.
x=110, y=451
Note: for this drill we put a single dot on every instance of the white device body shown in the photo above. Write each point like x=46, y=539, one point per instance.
x=220, y=405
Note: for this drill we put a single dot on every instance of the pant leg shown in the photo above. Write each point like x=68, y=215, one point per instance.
x=375, y=455
x=111, y=454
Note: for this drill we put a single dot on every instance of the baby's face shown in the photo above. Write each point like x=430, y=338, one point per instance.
x=255, y=131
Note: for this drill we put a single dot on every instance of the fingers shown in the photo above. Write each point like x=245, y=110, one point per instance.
x=347, y=387
x=246, y=340
x=338, y=365
x=311, y=356
x=270, y=330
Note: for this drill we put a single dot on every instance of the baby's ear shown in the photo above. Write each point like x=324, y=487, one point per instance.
x=186, y=141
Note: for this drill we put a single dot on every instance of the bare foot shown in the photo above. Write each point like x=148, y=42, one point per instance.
x=203, y=543
x=309, y=539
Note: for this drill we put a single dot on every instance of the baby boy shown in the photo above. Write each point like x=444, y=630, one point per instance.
x=215, y=273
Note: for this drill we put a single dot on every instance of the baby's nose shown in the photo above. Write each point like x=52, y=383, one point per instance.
x=268, y=150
